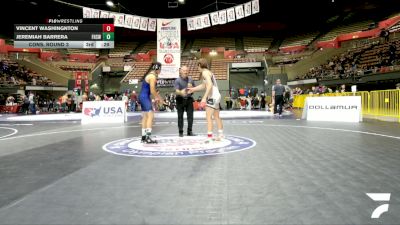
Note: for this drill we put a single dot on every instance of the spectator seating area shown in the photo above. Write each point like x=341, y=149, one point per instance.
x=299, y=40
x=374, y=57
x=12, y=74
x=147, y=46
x=360, y=26
x=220, y=66
x=257, y=44
x=214, y=42
x=119, y=62
x=290, y=58
x=83, y=51
x=73, y=66
x=122, y=49
x=139, y=69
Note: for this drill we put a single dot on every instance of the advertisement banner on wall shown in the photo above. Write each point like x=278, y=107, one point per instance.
x=169, y=47
x=103, y=112
x=338, y=109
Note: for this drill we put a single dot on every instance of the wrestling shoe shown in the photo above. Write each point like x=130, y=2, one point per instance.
x=148, y=140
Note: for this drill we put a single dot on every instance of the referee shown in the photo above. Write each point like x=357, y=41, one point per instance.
x=278, y=91
x=184, y=101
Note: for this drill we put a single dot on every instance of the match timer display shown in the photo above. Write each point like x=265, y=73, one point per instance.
x=66, y=33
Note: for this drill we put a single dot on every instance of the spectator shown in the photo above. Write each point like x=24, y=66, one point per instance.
x=133, y=101
x=32, y=103
x=10, y=101
x=125, y=100
x=278, y=92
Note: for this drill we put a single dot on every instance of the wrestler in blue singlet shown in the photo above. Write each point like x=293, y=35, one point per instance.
x=144, y=97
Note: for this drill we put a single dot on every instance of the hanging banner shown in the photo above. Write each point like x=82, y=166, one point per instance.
x=247, y=9
x=152, y=25
x=128, y=21
x=95, y=13
x=239, y=12
x=222, y=17
x=136, y=22
x=255, y=6
x=231, y=14
x=87, y=12
x=120, y=20
x=214, y=18
x=205, y=20
x=143, y=23
x=104, y=14
x=169, y=47
x=190, y=24
x=199, y=24
x=193, y=23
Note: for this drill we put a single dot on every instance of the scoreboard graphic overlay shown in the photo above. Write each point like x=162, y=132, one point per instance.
x=66, y=33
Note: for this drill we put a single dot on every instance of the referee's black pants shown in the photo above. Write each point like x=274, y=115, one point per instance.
x=278, y=101
x=182, y=105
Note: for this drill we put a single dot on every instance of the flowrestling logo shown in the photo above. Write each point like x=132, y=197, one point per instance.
x=174, y=146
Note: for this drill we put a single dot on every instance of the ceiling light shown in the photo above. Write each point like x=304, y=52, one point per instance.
x=110, y=3
x=181, y=1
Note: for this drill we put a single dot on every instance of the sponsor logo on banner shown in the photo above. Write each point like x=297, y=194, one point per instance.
x=103, y=112
x=174, y=146
x=166, y=23
x=91, y=112
x=168, y=58
x=169, y=47
x=165, y=82
x=341, y=109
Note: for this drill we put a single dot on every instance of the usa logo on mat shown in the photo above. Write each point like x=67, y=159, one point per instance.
x=174, y=146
